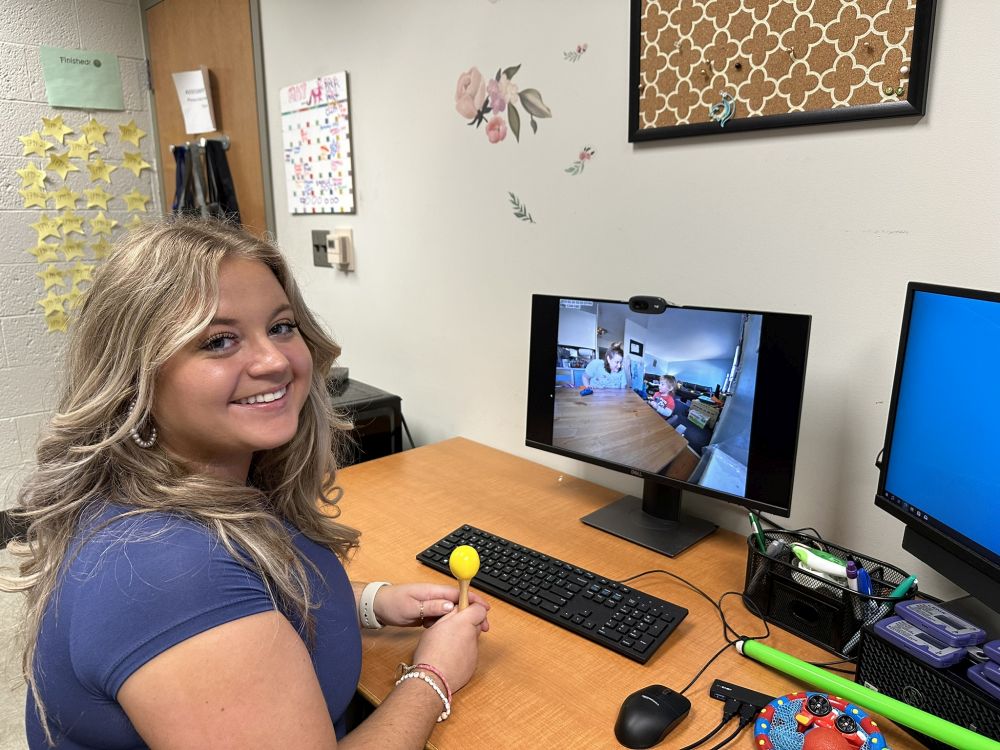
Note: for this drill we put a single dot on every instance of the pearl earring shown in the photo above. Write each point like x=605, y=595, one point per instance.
x=134, y=432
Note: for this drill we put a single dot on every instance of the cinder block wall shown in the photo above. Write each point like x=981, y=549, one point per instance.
x=30, y=356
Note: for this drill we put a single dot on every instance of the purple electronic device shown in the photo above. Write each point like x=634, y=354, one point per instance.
x=992, y=650
x=940, y=623
x=975, y=674
x=991, y=671
x=913, y=640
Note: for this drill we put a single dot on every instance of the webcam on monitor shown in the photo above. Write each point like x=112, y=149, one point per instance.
x=648, y=305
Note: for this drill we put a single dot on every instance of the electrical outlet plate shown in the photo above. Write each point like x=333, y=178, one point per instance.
x=319, y=240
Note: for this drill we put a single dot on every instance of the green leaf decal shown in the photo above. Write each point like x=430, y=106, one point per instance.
x=509, y=72
x=531, y=100
x=520, y=211
x=514, y=117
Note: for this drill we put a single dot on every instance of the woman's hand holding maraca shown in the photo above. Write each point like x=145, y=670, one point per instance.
x=412, y=604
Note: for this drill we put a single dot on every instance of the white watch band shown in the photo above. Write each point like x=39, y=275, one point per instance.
x=366, y=606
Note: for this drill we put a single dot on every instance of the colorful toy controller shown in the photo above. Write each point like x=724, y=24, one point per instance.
x=815, y=721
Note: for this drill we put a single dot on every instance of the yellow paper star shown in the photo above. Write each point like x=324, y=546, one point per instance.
x=65, y=198
x=134, y=222
x=81, y=148
x=133, y=160
x=130, y=133
x=81, y=272
x=101, y=248
x=95, y=131
x=57, y=321
x=51, y=302
x=72, y=249
x=101, y=224
x=60, y=163
x=99, y=170
x=32, y=176
x=35, y=144
x=71, y=222
x=97, y=197
x=136, y=201
x=52, y=276
x=55, y=128
x=44, y=252
x=34, y=197
x=73, y=297
x=47, y=226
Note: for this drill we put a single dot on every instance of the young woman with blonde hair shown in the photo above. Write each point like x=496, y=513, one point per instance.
x=183, y=570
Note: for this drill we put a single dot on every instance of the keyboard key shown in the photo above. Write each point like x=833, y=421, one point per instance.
x=611, y=635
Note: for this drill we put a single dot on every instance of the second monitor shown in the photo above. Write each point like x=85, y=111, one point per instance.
x=700, y=399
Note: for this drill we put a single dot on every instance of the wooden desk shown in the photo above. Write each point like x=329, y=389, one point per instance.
x=616, y=425
x=537, y=685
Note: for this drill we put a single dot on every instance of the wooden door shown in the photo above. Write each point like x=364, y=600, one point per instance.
x=186, y=34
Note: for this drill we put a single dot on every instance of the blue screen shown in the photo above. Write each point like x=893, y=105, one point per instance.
x=944, y=457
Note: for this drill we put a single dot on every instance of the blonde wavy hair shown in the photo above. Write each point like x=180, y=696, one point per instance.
x=157, y=291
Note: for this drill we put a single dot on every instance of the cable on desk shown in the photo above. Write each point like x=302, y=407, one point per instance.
x=729, y=710
x=407, y=430
x=747, y=713
x=727, y=629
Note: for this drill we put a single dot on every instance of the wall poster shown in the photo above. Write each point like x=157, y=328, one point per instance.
x=316, y=135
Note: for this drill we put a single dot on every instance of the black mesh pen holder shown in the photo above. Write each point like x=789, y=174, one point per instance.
x=810, y=605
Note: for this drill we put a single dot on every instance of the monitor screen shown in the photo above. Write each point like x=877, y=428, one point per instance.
x=702, y=399
x=942, y=444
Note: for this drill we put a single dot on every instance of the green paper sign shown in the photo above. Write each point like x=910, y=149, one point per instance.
x=81, y=79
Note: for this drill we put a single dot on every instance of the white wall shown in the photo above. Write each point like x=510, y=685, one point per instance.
x=29, y=356
x=827, y=220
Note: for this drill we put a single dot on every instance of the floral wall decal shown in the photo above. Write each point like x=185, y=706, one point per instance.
x=520, y=210
x=586, y=154
x=495, y=102
x=575, y=54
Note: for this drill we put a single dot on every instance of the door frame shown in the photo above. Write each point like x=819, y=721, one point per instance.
x=262, y=129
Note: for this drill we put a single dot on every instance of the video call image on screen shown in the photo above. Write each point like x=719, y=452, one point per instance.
x=683, y=382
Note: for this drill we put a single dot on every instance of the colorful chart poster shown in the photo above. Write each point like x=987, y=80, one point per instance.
x=316, y=134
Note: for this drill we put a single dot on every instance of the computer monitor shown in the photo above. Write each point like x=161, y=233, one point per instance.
x=722, y=423
x=941, y=458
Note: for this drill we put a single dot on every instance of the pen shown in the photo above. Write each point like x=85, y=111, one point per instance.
x=864, y=582
x=757, y=532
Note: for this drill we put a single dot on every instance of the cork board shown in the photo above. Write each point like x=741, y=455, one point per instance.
x=715, y=66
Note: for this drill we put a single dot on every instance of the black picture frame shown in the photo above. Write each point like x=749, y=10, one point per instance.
x=913, y=106
x=635, y=347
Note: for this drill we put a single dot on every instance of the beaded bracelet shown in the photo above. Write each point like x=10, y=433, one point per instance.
x=430, y=681
x=436, y=672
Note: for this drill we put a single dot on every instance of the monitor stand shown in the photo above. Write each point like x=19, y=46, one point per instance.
x=654, y=521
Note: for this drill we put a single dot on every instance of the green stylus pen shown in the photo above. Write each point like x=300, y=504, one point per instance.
x=890, y=708
x=757, y=532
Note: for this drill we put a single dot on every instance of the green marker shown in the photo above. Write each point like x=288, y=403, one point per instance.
x=757, y=532
x=890, y=708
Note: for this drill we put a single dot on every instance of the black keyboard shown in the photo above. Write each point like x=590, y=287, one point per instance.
x=606, y=612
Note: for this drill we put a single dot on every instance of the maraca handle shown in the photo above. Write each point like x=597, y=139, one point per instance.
x=463, y=595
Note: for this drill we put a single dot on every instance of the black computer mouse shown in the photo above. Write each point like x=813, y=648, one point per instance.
x=649, y=715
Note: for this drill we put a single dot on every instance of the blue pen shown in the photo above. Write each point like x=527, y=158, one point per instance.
x=864, y=582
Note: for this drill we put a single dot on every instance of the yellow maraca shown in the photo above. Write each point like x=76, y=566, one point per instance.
x=464, y=564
